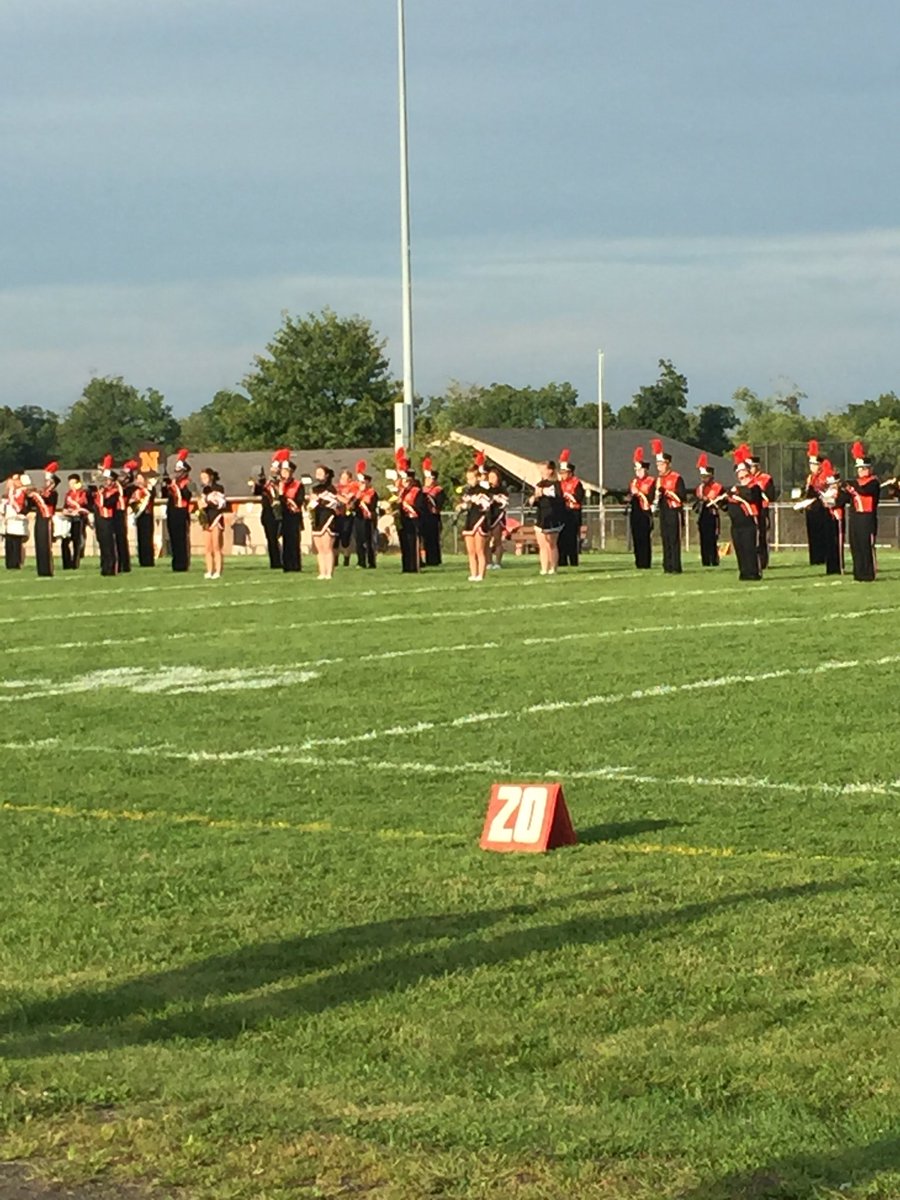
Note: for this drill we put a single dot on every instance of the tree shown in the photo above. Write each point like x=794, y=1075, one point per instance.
x=504, y=406
x=223, y=424
x=661, y=406
x=28, y=436
x=883, y=443
x=112, y=417
x=712, y=428
x=773, y=419
x=322, y=382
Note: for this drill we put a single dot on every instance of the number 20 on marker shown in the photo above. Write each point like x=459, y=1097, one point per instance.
x=527, y=817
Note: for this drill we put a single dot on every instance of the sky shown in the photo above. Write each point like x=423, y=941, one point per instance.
x=712, y=183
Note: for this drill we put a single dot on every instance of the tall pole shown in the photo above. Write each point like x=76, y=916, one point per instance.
x=600, y=447
x=403, y=412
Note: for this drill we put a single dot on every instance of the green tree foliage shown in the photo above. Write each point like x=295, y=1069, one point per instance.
x=226, y=423
x=502, y=406
x=662, y=406
x=28, y=437
x=323, y=381
x=773, y=419
x=112, y=417
x=883, y=443
x=712, y=426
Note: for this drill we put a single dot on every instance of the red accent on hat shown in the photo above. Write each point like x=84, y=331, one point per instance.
x=858, y=450
x=400, y=455
x=657, y=447
x=564, y=456
x=281, y=456
x=107, y=462
x=361, y=466
x=703, y=460
x=827, y=468
x=639, y=454
x=812, y=449
x=741, y=454
x=479, y=459
x=182, y=455
x=426, y=464
x=52, y=468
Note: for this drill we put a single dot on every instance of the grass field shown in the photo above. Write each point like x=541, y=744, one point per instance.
x=251, y=947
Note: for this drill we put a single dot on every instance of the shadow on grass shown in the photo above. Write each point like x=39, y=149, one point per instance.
x=802, y=1176
x=311, y=974
x=616, y=831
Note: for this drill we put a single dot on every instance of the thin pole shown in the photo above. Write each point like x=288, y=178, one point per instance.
x=600, y=447
x=408, y=390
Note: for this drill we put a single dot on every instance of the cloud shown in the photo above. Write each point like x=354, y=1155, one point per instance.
x=820, y=311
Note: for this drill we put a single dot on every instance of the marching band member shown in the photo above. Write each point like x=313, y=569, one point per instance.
x=106, y=496
x=430, y=521
x=639, y=507
x=291, y=497
x=669, y=498
x=211, y=515
x=547, y=499
x=832, y=533
x=15, y=519
x=270, y=507
x=126, y=484
x=708, y=490
x=43, y=502
x=475, y=503
x=744, y=501
x=365, y=519
x=141, y=504
x=573, y=495
x=496, y=532
x=411, y=505
x=348, y=490
x=177, y=491
x=326, y=509
x=818, y=525
x=77, y=507
x=770, y=494
x=862, y=516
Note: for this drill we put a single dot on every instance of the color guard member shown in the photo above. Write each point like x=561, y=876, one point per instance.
x=639, y=507
x=669, y=498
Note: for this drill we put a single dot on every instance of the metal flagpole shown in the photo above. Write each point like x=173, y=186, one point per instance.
x=600, y=447
x=403, y=411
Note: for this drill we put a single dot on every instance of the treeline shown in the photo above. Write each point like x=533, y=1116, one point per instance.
x=324, y=382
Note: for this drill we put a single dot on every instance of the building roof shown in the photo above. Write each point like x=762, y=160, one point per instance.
x=518, y=451
x=237, y=467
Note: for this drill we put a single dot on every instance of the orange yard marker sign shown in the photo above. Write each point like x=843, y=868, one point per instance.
x=528, y=817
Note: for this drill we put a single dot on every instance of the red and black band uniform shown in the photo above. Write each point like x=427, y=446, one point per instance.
x=766, y=485
x=430, y=523
x=107, y=496
x=365, y=525
x=348, y=493
x=744, y=503
x=291, y=498
x=570, y=534
x=670, y=496
x=123, y=550
x=862, y=521
x=708, y=521
x=818, y=527
x=411, y=506
x=270, y=516
x=833, y=528
x=43, y=503
x=15, y=509
x=640, y=520
x=178, y=521
x=141, y=502
x=77, y=507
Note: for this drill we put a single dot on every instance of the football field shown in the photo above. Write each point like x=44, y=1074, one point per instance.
x=251, y=946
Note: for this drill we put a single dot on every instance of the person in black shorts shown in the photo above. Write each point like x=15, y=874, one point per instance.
x=326, y=509
x=475, y=505
x=547, y=499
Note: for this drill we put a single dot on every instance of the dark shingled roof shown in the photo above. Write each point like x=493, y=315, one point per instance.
x=619, y=445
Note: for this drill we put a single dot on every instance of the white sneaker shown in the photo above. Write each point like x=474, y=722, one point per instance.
x=552, y=571
x=473, y=578
x=208, y=575
x=216, y=575
x=544, y=572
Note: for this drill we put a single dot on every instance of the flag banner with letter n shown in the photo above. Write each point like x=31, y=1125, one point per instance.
x=529, y=817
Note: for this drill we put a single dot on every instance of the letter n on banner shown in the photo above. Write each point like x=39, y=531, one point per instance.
x=528, y=817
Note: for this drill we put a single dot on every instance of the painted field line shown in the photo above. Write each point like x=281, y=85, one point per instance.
x=381, y=656
x=727, y=783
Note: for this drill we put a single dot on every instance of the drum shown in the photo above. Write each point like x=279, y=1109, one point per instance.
x=62, y=526
x=17, y=527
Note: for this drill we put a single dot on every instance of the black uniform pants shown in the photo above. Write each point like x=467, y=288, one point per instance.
x=862, y=545
x=272, y=530
x=178, y=521
x=430, y=532
x=106, y=540
x=43, y=545
x=817, y=534
x=641, y=540
x=670, y=533
x=833, y=544
x=745, y=539
x=15, y=552
x=569, y=538
x=291, y=524
x=708, y=529
x=409, y=544
x=144, y=532
x=366, y=538
x=122, y=548
x=72, y=547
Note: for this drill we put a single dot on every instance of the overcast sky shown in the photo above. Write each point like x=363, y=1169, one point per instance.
x=712, y=182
